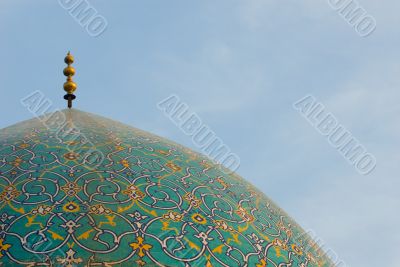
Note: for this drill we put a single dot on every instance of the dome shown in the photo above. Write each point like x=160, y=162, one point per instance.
x=94, y=192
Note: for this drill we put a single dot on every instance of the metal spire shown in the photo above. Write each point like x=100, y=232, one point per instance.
x=69, y=86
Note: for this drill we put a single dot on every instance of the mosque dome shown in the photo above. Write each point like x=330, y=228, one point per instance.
x=91, y=191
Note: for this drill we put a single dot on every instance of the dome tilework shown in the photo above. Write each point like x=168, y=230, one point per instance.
x=142, y=201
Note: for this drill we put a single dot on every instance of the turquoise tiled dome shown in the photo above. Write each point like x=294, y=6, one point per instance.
x=94, y=192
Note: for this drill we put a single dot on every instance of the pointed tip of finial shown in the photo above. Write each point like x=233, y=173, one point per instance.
x=69, y=86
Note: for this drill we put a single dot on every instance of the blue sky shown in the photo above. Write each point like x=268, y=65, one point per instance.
x=240, y=65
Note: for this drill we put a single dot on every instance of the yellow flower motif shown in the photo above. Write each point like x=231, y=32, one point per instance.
x=9, y=193
x=174, y=216
x=139, y=245
x=173, y=166
x=125, y=163
x=71, y=207
x=140, y=262
x=119, y=148
x=16, y=162
x=99, y=209
x=279, y=243
x=42, y=210
x=71, y=156
x=134, y=192
x=71, y=189
x=223, y=226
x=192, y=200
x=244, y=214
x=24, y=145
x=3, y=247
x=70, y=259
x=296, y=249
x=198, y=218
x=284, y=229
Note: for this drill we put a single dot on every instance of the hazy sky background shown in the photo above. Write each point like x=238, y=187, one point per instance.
x=239, y=65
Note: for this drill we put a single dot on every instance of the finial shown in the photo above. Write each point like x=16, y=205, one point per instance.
x=69, y=85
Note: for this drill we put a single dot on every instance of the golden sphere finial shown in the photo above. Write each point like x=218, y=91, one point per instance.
x=69, y=59
x=69, y=86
